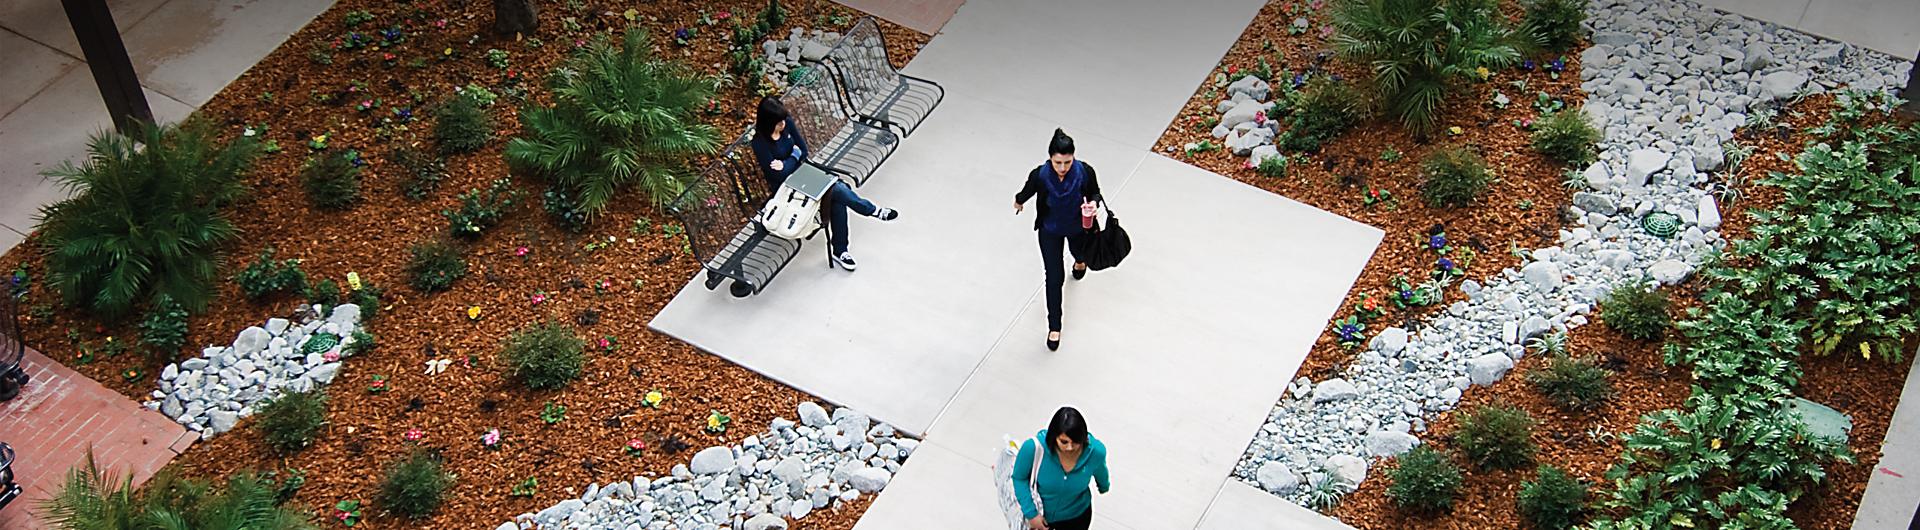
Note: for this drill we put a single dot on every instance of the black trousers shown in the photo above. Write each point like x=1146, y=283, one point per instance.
x=1077, y=523
x=1050, y=256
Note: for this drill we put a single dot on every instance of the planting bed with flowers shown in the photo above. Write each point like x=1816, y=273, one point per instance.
x=382, y=179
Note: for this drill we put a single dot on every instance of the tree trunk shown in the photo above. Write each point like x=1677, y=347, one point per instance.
x=1912, y=92
x=514, y=17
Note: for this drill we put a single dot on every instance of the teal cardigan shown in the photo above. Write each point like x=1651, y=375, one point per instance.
x=1065, y=495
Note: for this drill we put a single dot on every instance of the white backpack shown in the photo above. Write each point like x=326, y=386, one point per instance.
x=1003, y=481
x=790, y=214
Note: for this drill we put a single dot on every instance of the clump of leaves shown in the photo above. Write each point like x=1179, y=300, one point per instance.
x=288, y=422
x=91, y=498
x=332, y=180
x=481, y=209
x=1455, y=177
x=563, y=209
x=1421, y=50
x=639, y=114
x=423, y=171
x=1574, y=384
x=1320, y=112
x=165, y=328
x=1496, y=437
x=361, y=341
x=435, y=265
x=547, y=355
x=415, y=485
x=267, y=276
x=368, y=298
x=462, y=125
x=1555, y=23
x=1426, y=481
x=1567, y=136
x=145, y=218
x=1554, y=500
x=1636, y=310
x=1273, y=166
x=325, y=292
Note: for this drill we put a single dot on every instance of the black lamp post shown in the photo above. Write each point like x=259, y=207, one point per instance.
x=106, y=56
x=1912, y=110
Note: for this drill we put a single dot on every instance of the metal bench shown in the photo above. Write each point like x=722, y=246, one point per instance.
x=870, y=85
x=841, y=145
x=728, y=193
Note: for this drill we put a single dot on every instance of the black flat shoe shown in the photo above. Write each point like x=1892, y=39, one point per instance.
x=1079, y=273
x=886, y=214
x=1053, y=344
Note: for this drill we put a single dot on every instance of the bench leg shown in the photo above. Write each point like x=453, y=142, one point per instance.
x=740, y=289
x=713, y=280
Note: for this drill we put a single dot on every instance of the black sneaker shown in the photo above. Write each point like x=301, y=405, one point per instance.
x=845, y=261
x=886, y=214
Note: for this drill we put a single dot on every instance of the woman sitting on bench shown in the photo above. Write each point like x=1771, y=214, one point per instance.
x=780, y=150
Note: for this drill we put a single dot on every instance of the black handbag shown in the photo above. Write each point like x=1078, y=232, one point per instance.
x=1110, y=243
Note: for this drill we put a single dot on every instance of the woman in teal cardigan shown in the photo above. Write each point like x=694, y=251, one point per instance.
x=1072, y=459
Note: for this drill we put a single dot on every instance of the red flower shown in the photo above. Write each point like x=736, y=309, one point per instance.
x=414, y=434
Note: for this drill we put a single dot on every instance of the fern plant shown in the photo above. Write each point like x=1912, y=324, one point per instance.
x=145, y=218
x=621, y=117
x=92, y=499
x=1555, y=24
x=332, y=181
x=462, y=125
x=1419, y=49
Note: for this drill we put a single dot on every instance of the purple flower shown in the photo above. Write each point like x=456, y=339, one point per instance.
x=1446, y=265
x=1527, y=64
x=1437, y=242
x=1558, y=64
x=1299, y=80
x=682, y=35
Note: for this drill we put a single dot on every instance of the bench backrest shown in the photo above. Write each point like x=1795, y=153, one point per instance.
x=725, y=194
x=13, y=347
x=861, y=57
x=813, y=99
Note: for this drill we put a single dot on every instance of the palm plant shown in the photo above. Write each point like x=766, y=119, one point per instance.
x=93, y=500
x=145, y=217
x=1418, y=49
x=620, y=117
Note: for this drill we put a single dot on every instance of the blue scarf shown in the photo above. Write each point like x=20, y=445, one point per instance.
x=1063, y=198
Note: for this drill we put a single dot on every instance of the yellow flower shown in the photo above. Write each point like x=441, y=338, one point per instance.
x=713, y=422
x=1456, y=130
x=1865, y=352
x=447, y=52
x=1716, y=444
x=1482, y=72
x=353, y=280
x=654, y=398
x=473, y=313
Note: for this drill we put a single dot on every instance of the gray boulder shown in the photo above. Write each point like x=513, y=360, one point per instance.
x=1276, y=478
x=1390, y=341
x=1669, y=272
x=1544, y=276
x=1782, y=84
x=1334, y=390
x=1252, y=87
x=1709, y=213
x=717, y=459
x=1643, y=163
x=1594, y=202
x=1389, y=443
x=251, y=341
x=869, y=479
x=812, y=415
x=1486, y=369
x=766, y=521
x=1346, y=469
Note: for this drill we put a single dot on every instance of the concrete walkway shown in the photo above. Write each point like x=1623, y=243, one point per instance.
x=1888, y=26
x=184, y=51
x=59, y=416
x=1175, y=357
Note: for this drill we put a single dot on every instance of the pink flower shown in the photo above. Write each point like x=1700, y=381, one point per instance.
x=442, y=23
x=330, y=356
x=636, y=444
x=414, y=434
x=491, y=438
x=521, y=252
x=539, y=297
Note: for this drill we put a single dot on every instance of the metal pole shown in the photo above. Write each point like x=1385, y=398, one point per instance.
x=106, y=56
x=1912, y=110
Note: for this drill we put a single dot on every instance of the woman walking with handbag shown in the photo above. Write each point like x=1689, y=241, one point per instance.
x=1068, y=190
x=779, y=150
x=1056, y=496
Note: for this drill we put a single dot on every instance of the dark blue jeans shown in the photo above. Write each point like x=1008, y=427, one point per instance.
x=841, y=198
x=1050, y=256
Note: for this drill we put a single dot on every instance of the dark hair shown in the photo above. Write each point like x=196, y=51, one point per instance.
x=1061, y=145
x=770, y=114
x=1067, y=420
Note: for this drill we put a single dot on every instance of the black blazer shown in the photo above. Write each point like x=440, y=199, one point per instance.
x=1090, y=190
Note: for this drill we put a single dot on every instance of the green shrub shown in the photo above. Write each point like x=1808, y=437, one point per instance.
x=324, y=292
x=423, y=172
x=481, y=209
x=368, y=298
x=165, y=328
x=332, y=180
x=1426, y=481
x=1568, y=137
x=435, y=266
x=1320, y=112
x=544, y=356
x=1419, y=50
x=1554, y=501
x=92, y=499
x=1273, y=166
x=563, y=209
x=415, y=485
x=1496, y=437
x=1636, y=310
x=289, y=421
x=145, y=218
x=1575, y=384
x=461, y=125
x=774, y=15
x=267, y=276
x=1555, y=23
x=1455, y=177
x=362, y=341
x=637, y=113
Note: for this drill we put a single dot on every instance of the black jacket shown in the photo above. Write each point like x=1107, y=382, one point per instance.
x=1090, y=190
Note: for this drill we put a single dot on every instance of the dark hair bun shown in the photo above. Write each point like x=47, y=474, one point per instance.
x=1061, y=143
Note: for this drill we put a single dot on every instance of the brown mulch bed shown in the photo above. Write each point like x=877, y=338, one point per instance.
x=1520, y=208
x=1584, y=444
x=643, y=267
